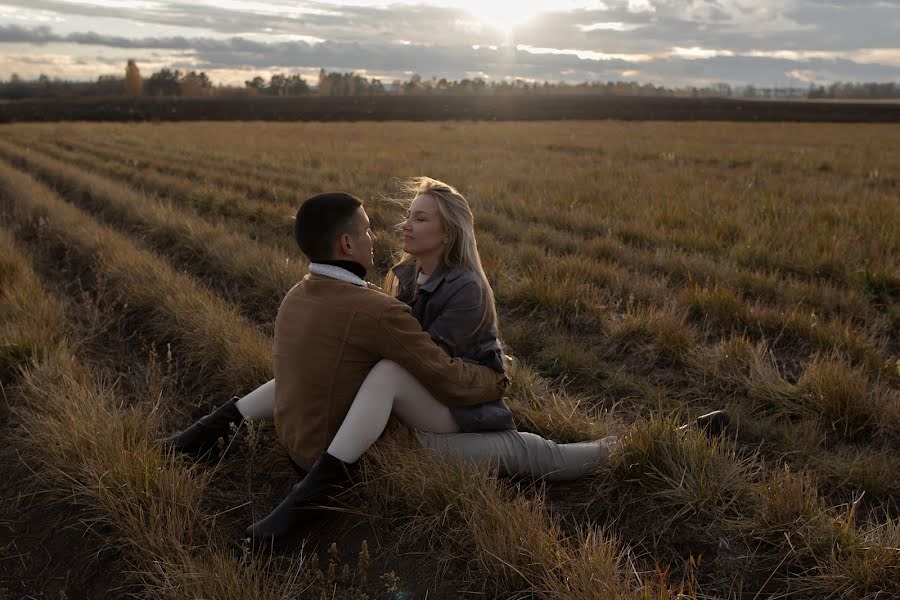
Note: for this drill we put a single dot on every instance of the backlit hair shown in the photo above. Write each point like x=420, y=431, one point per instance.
x=458, y=224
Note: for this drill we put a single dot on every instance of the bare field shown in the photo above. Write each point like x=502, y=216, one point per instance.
x=645, y=273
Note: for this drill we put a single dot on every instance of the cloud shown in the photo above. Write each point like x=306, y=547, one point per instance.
x=723, y=25
x=685, y=65
x=648, y=25
x=760, y=41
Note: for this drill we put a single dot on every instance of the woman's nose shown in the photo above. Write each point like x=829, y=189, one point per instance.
x=406, y=225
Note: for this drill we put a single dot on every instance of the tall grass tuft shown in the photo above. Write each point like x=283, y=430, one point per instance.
x=29, y=323
x=682, y=473
x=845, y=398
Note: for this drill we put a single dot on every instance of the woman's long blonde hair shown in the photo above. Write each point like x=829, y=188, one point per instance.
x=461, y=251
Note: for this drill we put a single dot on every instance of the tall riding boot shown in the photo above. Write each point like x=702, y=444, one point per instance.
x=203, y=436
x=324, y=476
x=712, y=424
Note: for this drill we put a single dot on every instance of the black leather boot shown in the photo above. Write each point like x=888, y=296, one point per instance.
x=714, y=423
x=324, y=476
x=203, y=436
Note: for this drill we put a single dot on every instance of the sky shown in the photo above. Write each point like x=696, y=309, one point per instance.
x=665, y=42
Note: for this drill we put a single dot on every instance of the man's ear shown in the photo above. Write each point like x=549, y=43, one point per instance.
x=345, y=243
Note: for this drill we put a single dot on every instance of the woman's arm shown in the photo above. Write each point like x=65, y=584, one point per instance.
x=455, y=328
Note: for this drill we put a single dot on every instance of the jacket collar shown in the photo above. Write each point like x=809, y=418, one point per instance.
x=336, y=272
x=435, y=279
x=407, y=273
x=348, y=265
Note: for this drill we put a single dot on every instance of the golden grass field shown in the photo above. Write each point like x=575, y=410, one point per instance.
x=645, y=273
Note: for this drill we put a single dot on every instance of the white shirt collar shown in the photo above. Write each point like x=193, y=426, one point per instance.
x=336, y=273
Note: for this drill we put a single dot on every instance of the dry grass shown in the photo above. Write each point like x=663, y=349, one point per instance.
x=183, y=316
x=464, y=510
x=674, y=267
x=27, y=327
x=73, y=427
x=253, y=275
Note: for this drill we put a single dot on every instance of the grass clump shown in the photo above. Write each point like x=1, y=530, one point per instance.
x=851, y=561
x=556, y=415
x=682, y=472
x=657, y=336
x=788, y=500
x=29, y=323
x=716, y=307
x=844, y=397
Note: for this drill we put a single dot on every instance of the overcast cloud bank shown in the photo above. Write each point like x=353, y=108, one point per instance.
x=669, y=42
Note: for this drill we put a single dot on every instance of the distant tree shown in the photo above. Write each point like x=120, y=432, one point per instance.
x=134, y=83
x=277, y=85
x=324, y=83
x=16, y=88
x=296, y=86
x=816, y=91
x=257, y=84
x=194, y=85
x=414, y=85
x=109, y=85
x=164, y=82
x=722, y=89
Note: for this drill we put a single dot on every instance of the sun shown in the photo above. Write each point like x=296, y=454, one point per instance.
x=504, y=15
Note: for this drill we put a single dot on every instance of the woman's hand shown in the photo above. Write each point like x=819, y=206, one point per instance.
x=372, y=286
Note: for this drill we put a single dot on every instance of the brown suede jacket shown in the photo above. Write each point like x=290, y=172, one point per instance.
x=328, y=336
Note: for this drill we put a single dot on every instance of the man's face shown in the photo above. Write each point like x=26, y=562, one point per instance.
x=361, y=246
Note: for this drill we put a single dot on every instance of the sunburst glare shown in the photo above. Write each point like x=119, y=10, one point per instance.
x=504, y=16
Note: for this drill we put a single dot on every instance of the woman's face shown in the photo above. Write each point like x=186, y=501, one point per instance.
x=421, y=233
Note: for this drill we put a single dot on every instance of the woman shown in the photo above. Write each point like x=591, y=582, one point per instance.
x=441, y=277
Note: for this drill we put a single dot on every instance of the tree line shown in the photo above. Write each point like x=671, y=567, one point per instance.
x=192, y=84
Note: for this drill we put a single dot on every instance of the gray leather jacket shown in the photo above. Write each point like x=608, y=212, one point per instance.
x=448, y=306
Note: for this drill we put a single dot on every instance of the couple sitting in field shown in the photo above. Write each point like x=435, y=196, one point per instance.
x=348, y=355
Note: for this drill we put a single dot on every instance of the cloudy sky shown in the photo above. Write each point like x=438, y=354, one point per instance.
x=671, y=42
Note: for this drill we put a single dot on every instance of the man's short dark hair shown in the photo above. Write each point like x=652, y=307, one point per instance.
x=321, y=219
